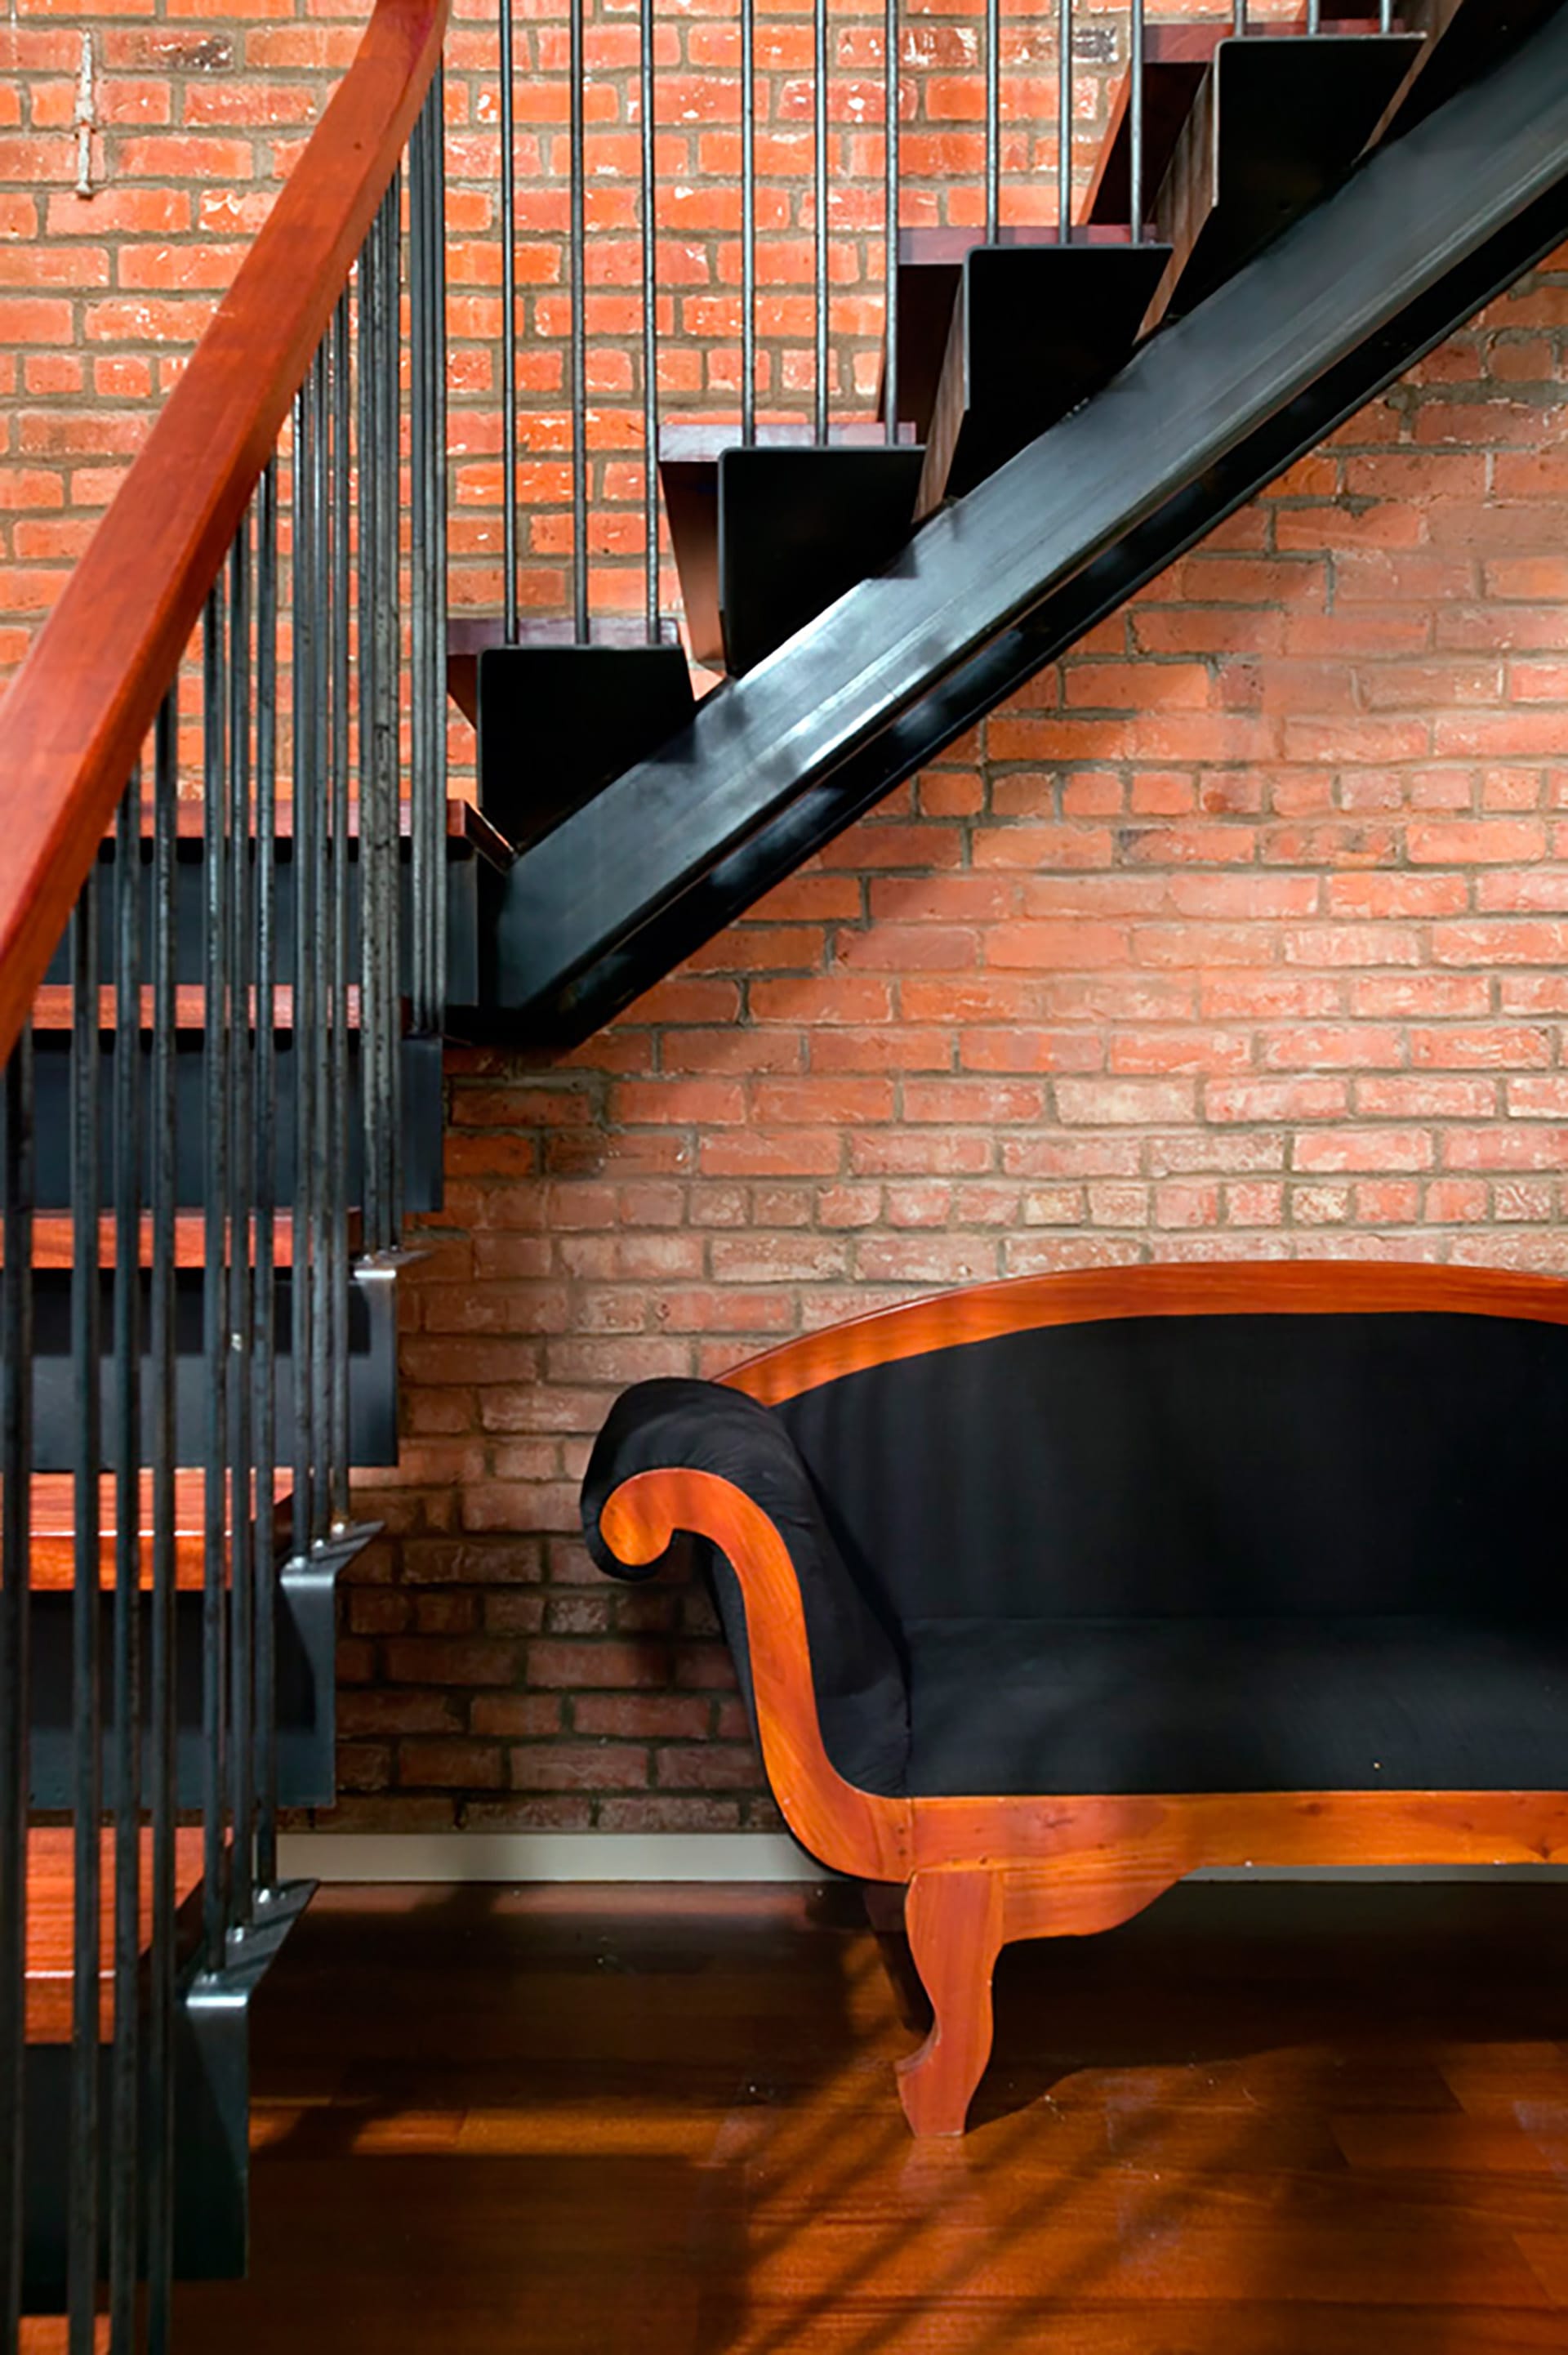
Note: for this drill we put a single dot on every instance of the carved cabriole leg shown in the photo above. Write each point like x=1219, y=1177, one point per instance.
x=955, y=1923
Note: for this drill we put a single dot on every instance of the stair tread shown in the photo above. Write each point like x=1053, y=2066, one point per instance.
x=51, y=1890
x=53, y=1007
x=52, y=1563
x=54, y=1240
x=191, y=821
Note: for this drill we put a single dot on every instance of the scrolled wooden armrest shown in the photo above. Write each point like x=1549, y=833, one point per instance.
x=690, y=1458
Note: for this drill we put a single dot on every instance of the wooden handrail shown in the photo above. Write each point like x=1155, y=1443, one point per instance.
x=74, y=721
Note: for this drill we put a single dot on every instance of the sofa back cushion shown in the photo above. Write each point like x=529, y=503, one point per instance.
x=1199, y=1465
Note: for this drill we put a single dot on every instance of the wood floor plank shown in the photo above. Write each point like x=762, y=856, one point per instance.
x=1254, y=2123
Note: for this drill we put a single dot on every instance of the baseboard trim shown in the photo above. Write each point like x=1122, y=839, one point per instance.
x=723, y=1857
x=545, y=1856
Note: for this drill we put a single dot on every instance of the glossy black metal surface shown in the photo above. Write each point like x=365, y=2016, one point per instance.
x=796, y=528
x=1035, y=330
x=557, y=723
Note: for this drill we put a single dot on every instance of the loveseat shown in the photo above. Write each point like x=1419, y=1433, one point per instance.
x=1044, y=1594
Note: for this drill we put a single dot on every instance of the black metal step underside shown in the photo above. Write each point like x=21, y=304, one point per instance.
x=1428, y=229
x=421, y=1120
x=464, y=865
x=306, y=1685
x=371, y=1349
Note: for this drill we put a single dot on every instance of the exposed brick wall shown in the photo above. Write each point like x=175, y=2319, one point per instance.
x=1241, y=932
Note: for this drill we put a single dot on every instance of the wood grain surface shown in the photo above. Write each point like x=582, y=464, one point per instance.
x=1255, y=2121
x=983, y=1312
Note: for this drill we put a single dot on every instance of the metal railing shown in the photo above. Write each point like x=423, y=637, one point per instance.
x=316, y=702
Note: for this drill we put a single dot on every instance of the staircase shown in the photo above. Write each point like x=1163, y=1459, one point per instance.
x=242, y=912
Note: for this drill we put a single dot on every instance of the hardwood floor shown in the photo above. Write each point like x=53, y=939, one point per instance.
x=1258, y=2121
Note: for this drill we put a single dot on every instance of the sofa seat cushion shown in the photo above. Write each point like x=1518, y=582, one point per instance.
x=1047, y=1706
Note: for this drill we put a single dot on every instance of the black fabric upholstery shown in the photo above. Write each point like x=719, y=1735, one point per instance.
x=1208, y=1464
x=1046, y=1707
x=697, y=1426
x=1243, y=1552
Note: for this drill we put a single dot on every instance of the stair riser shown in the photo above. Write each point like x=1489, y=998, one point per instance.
x=421, y=1110
x=191, y=925
x=372, y=1372
x=306, y=1691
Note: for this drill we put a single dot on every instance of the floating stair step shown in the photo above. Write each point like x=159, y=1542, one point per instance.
x=689, y=456
x=1035, y=329
x=1175, y=59
x=797, y=528
x=557, y=723
x=470, y=635
x=52, y=1566
x=470, y=844
x=54, y=1240
x=931, y=267
x=372, y=1345
x=211, y=2074
x=422, y=1106
x=1274, y=126
x=304, y=1598
x=51, y=1896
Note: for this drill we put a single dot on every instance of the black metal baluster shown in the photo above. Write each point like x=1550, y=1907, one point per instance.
x=216, y=1015
x=1136, y=206
x=264, y=1313
x=163, y=1757
x=508, y=324
x=748, y=221
x=87, y=1776
x=306, y=813
x=240, y=1309
x=820, y=201
x=993, y=120
x=428, y=792
x=890, y=212
x=436, y=898
x=314, y=1045
x=429, y=721
x=650, y=330
x=367, y=353
x=578, y=265
x=383, y=850
x=1065, y=122
x=17, y=1168
x=124, y=2221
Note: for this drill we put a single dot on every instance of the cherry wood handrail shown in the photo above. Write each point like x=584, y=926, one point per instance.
x=75, y=719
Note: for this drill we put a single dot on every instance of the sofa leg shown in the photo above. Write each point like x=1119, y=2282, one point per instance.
x=954, y=1921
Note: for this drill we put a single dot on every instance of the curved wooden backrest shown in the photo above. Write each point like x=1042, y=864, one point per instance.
x=77, y=716
x=1239, y=1288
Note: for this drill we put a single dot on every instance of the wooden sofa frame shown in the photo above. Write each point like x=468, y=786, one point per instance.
x=982, y=1871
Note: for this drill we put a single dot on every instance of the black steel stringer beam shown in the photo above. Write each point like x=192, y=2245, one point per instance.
x=1428, y=229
